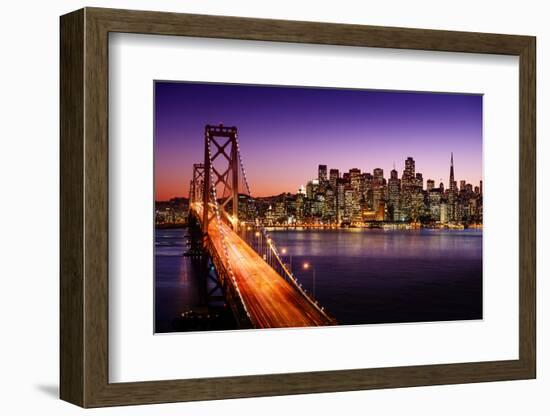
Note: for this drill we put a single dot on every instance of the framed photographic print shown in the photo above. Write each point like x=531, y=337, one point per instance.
x=257, y=207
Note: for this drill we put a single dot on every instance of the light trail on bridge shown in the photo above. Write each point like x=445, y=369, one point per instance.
x=271, y=301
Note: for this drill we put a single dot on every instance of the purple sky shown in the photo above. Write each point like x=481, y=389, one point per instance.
x=286, y=132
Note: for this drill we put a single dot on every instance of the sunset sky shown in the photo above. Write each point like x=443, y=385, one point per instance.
x=286, y=132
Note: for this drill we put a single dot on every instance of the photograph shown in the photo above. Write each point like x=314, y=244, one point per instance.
x=281, y=206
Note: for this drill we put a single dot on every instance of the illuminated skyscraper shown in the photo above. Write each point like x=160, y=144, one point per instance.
x=394, y=191
x=330, y=205
x=408, y=188
x=367, y=190
x=409, y=168
x=452, y=182
x=434, y=201
x=322, y=174
x=419, y=181
x=452, y=197
x=333, y=178
x=443, y=211
x=378, y=190
x=430, y=184
x=348, y=203
x=356, y=186
x=309, y=190
x=340, y=198
x=300, y=206
x=318, y=205
x=312, y=188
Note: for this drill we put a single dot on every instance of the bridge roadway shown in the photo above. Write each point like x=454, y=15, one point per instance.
x=271, y=301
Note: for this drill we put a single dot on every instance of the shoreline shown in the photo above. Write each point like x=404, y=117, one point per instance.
x=385, y=227
x=168, y=226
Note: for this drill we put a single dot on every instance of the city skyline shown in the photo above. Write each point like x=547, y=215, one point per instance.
x=443, y=180
x=285, y=131
x=355, y=198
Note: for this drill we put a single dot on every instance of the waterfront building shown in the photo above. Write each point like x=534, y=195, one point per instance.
x=417, y=205
x=368, y=190
x=280, y=211
x=340, y=199
x=357, y=188
x=378, y=189
x=380, y=212
x=452, y=183
x=290, y=205
x=270, y=216
x=369, y=215
x=318, y=205
x=394, y=197
x=329, y=213
x=348, y=203
x=452, y=195
x=312, y=188
x=474, y=209
x=334, y=176
x=246, y=207
x=408, y=189
x=300, y=210
x=434, y=202
x=443, y=210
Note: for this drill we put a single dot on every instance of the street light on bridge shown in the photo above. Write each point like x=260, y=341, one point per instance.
x=283, y=252
x=307, y=266
x=259, y=243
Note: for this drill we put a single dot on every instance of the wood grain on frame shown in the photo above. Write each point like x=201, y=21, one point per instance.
x=84, y=207
x=71, y=208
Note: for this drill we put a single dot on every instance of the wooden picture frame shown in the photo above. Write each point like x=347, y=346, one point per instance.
x=84, y=207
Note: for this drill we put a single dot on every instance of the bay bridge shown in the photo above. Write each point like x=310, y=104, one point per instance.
x=240, y=256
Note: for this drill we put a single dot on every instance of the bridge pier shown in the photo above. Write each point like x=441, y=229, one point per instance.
x=206, y=269
x=196, y=242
